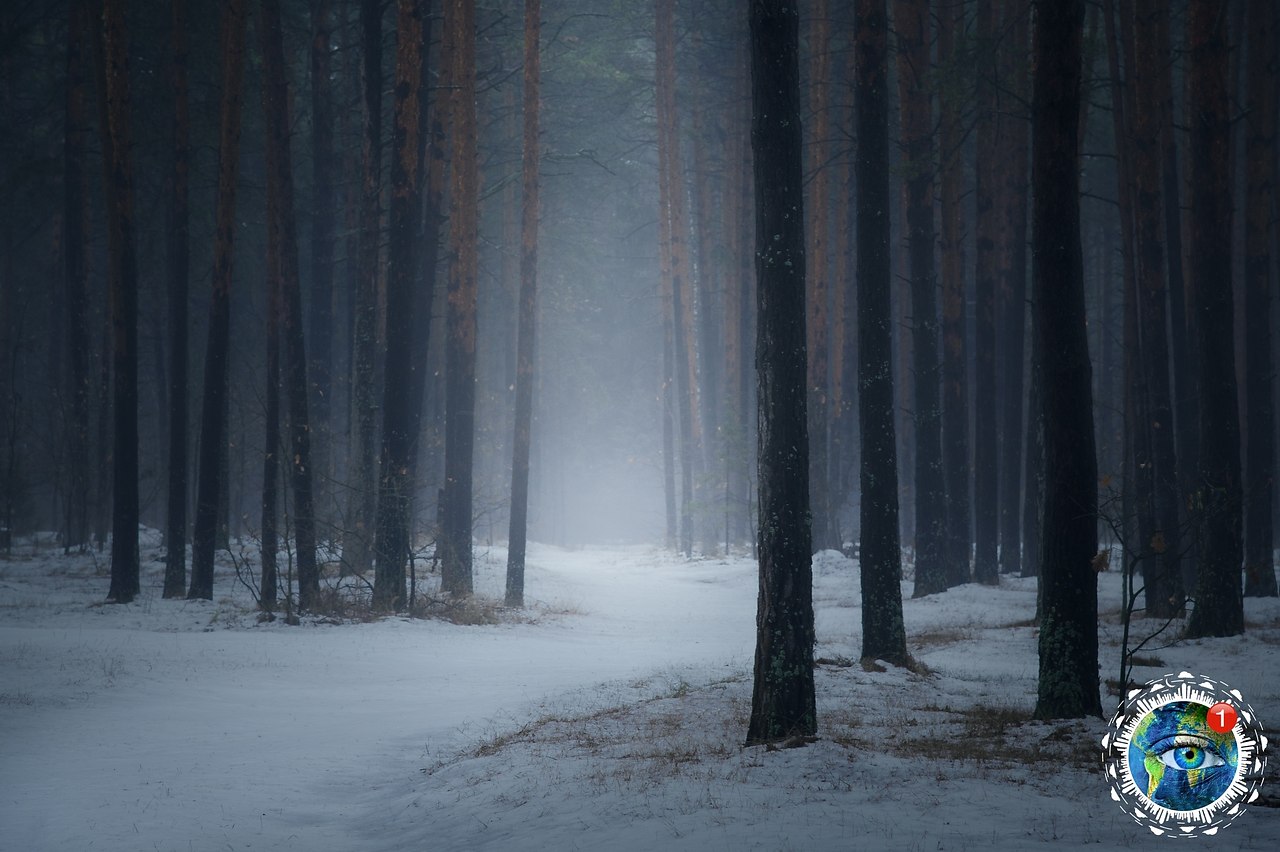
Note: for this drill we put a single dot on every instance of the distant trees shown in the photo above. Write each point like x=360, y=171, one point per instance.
x=782, y=701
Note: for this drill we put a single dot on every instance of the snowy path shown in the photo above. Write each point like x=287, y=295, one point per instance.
x=122, y=738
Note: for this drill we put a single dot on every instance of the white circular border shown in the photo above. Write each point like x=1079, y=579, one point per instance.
x=1250, y=742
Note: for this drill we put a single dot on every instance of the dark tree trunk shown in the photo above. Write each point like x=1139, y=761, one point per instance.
x=76, y=260
x=783, y=702
x=1183, y=344
x=1260, y=154
x=985, y=443
x=955, y=384
x=528, y=324
x=271, y=440
x=460, y=341
x=358, y=541
x=821, y=170
x=1013, y=281
x=1161, y=546
x=323, y=210
x=280, y=215
x=912, y=23
x=122, y=272
x=213, y=421
x=1068, y=682
x=1219, y=608
x=399, y=425
x=175, y=570
x=883, y=633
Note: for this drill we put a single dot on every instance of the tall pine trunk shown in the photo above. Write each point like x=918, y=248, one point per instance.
x=211, y=486
x=883, y=633
x=358, y=540
x=912, y=22
x=323, y=211
x=76, y=266
x=955, y=384
x=528, y=322
x=1219, y=608
x=399, y=423
x=460, y=341
x=985, y=443
x=1260, y=154
x=122, y=275
x=1068, y=677
x=821, y=170
x=1162, y=545
x=783, y=701
x=175, y=571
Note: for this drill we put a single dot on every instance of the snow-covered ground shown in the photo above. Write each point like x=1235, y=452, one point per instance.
x=609, y=715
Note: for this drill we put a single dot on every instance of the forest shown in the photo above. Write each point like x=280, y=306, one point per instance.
x=533, y=342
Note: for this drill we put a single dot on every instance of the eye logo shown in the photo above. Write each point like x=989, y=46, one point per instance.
x=1184, y=754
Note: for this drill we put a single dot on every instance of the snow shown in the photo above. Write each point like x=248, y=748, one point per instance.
x=608, y=716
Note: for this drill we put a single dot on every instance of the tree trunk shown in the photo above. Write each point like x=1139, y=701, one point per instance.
x=399, y=425
x=1219, y=608
x=528, y=324
x=1260, y=154
x=782, y=702
x=280, y=217
x=358, y=541
x=1161, y=547
x=323, y=210
x=955, y=384
x=1013, y=283
x=213, y=421
x=76, y=260
x=912, y=23
x=821, y=170
x=175, y=571
x=985, y=444
x=122, y=271
x=1068, y=682
x=460, y=342
x=883, y=634
x=271, y=441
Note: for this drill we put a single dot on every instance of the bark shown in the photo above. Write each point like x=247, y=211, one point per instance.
x=399, y=423
x=985, y=444
x=528, y=326
x=883, y=634
x=1161, y=546
x=280, y=215
x=76, y=266
x=912, y=26
x=783, y=701
x=1259, y=571
x=271, y=442
x=1013, y=281
x=1068, y=680
x=122, y=275
x=955, y=384
x=1219, y=608
x=323, y=210
x=460, y=342
x=179, y=245
x=213, y=420
x=358, y=549
x=821, y=172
